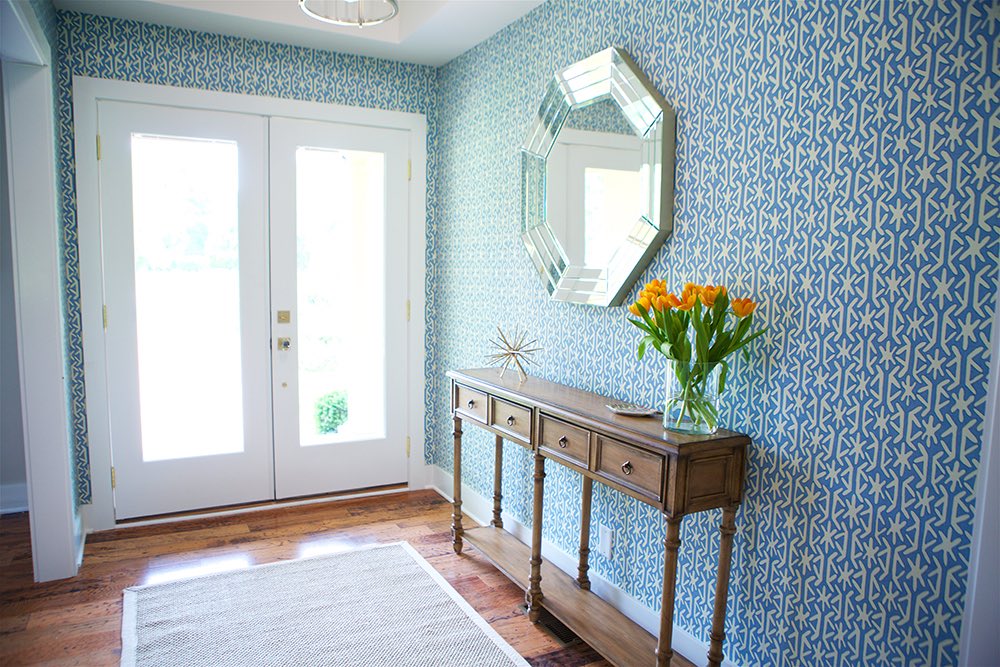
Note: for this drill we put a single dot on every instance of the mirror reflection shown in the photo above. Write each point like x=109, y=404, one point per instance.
x=594, y=183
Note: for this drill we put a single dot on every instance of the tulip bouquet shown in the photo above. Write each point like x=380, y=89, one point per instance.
x=696, y=331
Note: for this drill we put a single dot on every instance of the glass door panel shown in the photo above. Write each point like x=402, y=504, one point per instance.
x=341, y=331
x=185, y=226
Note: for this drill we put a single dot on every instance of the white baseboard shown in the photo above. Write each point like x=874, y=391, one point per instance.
x=14, y=498
x=480, y=509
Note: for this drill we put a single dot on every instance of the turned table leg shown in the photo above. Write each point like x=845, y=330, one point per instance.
x=718, y=635
x=673, y=540
x=456, y=515
x=582, y=577
x=497, y=478
x=534, y=594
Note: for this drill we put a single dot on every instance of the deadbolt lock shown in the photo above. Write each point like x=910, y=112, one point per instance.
x=284, y=316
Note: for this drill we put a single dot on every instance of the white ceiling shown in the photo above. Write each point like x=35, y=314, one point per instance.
x=428, y=32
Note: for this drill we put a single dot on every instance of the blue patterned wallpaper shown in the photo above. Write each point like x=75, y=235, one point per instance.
x=836, y=160
x=140, y=52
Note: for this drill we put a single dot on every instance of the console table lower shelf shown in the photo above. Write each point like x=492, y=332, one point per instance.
x=607, y=630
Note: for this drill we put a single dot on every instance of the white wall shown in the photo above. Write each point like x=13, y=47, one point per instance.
x=13, y=488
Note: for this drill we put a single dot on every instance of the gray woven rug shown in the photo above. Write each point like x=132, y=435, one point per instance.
x=384, y=605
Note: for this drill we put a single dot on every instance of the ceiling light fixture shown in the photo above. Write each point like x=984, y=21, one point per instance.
x=350, y=12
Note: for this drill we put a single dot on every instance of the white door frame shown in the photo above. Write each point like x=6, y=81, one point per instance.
x=86, y=92
x=56, y=534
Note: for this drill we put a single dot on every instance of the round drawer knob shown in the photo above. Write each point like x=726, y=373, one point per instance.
x=627, y=467
x=472, y=404
x=563, y=442
x=510, y=420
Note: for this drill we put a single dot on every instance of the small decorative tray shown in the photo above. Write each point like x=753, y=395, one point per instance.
x=631, y=409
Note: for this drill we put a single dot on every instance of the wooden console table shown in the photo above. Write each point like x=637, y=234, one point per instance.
x=676, y=473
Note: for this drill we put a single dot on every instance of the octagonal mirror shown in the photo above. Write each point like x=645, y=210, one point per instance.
x=597, y=179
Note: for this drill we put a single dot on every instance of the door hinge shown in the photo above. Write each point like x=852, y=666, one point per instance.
x=407, y=310
x=98, y=148
x=407, y=446
x=104, y=316
x=409, y=170
x=114, y=480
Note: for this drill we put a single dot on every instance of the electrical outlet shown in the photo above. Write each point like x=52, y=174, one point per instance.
x=605, y=541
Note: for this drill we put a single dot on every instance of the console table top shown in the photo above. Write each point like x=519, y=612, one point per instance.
x=560, y=400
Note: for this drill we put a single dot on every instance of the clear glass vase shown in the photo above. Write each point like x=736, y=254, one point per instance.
x=692, y=396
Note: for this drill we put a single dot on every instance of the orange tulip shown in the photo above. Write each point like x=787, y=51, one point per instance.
x=743, y=307
x=687, y=300
x=663, y=303
x=632, y=308
x=672, y=300
x=644, y=303
x=690, y=292
x=709, y=294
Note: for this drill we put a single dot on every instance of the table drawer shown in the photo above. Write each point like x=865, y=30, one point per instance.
x=564, y=440
x=510, y=418
x=631, y=467
x=470, y=403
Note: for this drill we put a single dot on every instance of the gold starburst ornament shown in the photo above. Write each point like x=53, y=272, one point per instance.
x=515, y=350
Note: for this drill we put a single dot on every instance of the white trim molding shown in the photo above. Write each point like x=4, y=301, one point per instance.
x=480, y=509
x=980, y=642
x=99, y=515
x=56, y=535
x=21, y=37
x=415, y=306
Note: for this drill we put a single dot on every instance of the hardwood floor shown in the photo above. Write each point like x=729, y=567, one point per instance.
x=78, y=621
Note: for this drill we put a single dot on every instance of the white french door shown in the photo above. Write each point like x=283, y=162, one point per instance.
x=254, y=331
x=184, y=228
x=338, y=308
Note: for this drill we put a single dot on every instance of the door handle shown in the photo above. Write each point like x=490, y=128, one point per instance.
x=284, y=344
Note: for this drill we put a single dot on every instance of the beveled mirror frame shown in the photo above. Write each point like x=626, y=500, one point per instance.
x=609, y=74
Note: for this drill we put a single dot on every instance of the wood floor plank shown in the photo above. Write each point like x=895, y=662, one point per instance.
x=78, y=621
